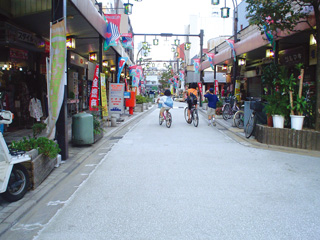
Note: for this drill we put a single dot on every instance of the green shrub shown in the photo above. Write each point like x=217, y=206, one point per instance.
x=44, y=145
x=37, y=129
x=140, y=99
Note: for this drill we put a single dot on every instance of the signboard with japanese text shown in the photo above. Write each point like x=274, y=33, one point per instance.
x=116, y=98
x=104, y=95
x=94, y=95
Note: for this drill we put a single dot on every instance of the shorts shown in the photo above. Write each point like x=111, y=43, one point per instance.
x=190, y=105
x=164, y=108
x=211, y=111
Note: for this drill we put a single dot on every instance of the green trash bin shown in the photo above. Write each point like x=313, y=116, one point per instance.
x=82, y=129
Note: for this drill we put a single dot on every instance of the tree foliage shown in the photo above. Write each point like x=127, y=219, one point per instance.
x=164, y=79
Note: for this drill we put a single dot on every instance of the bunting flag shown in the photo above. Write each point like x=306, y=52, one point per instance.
x=231, y=44
x=127, y=41
x=181, y=75
x=269, y=36
x=210, y=58
x=122, y=61
x=113, y=30
x=133, y=73
x=196, y=63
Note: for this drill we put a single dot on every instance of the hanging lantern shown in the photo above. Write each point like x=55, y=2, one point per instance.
x=155, y=42
x=177, y=42
x=241, y=62
x=93, y=56
x=164, y=64
x=187, y=46
x=225, y=12
x=146, y=54
x=269, y=53
x=71, y=42
x=145, y=45
x=176, y=54
x=173, y=49
x=215, y=2
x=128, y=8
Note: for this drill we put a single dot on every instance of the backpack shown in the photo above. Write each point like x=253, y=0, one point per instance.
x=169, y=102
x=192, y=99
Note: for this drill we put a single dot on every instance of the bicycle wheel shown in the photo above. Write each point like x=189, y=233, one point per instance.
x=226, y=111
x=238, y=119
x=195, y=117
x=168, y=120
x=160, y=119
x=250, y=125
x=186, y=114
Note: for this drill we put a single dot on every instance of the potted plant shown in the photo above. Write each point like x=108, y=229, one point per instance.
x=299, y=105
x=139, y=103
x=274, y=80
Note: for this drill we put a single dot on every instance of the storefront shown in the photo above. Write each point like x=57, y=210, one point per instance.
x=22, y=75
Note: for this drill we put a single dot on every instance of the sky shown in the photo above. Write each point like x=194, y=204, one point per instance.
x=171, y=16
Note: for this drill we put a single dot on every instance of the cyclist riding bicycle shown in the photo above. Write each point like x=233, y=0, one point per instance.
x=192, y=98
x=166, y=102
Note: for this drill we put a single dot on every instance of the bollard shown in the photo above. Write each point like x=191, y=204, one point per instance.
x=113, y=121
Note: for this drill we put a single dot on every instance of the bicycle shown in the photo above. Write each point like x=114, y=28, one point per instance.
x=230, y=108
x=255, y=106
x=238, y=119
x=193, y=114
x=166, y=117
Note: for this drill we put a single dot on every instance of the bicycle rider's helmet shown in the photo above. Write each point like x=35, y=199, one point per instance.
x=167, y=93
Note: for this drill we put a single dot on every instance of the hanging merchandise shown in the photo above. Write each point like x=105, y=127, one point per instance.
x=35, y=109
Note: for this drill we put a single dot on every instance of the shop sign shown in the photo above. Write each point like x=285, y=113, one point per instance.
x=103, y=95
x=18, y=54
x=94, y=95
x=292, y=56
x=77, y=60
x=116, y=98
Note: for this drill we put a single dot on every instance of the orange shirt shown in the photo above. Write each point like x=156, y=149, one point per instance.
x=194, y=91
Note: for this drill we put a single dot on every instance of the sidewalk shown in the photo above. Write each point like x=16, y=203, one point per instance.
x=10, y=213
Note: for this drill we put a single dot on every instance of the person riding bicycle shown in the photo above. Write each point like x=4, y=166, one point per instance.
x=192, y=98
x=166, y=102
x=212, y=104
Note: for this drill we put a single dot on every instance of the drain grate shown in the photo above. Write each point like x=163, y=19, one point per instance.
x=116, y=138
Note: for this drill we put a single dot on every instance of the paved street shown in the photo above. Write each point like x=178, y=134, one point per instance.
x=183, y=183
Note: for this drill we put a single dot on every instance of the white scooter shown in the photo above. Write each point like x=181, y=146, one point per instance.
x=14, y=177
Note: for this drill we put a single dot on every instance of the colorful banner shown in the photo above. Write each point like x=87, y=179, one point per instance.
x=231, y=44
x=94, y=95
x=126, y=40
x=216, y=87
x=57, y=79
x=104, y=103
x=113, y=30
x=122, y=61
x=200, y=88
x=116, y=98
x=196, y=63
x=210, y=58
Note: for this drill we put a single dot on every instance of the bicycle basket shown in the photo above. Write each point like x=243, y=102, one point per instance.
x=256, y=106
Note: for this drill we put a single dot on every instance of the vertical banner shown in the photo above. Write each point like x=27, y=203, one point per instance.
x=94, y=95
x=196, y=63
x=113, y=30
x=210, y=59
x=116, y=98
x=216, y=87
x=121, y=63
x=231, y=44
x=237, y=90
x=103, y=95
x=200, y=89
x=57, y=79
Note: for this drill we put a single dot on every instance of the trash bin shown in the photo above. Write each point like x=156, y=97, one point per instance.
x=82, y=129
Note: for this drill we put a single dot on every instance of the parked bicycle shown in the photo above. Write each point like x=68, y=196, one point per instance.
x=166, y=117
x=238, y=119
x=193, y=115
x=256, y=107
x=230, y=108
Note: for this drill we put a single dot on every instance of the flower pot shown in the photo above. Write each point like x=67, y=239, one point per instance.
x=278, y=121
x=297, y=122
x=269, y=121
